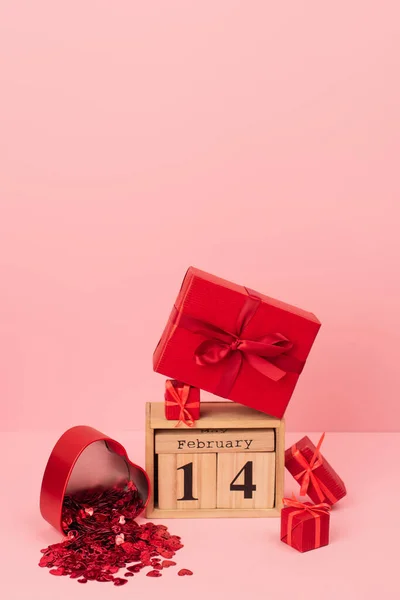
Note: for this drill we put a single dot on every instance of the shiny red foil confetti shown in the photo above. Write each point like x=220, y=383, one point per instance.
x=103, y=537
x=185, y=572
x=167, y=563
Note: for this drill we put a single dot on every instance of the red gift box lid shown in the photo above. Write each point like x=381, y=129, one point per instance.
x=84, y=458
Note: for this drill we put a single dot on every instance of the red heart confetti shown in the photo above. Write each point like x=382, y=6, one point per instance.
x=184, y=572
x=120, y=581
x=102, y=537
x=135, y=568
x=168, y=563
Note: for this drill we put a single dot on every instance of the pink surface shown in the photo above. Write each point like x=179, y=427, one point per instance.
x=256, y=140
x=231, y=558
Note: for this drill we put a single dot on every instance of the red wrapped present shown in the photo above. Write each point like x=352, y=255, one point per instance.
x=317, y=478
x=182, y=402
x=235, y=343
x=305, y=526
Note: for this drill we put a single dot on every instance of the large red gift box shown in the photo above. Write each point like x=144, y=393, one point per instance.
x=182, y=402
x=318, y=480
x=305, y=526
x=236, y=343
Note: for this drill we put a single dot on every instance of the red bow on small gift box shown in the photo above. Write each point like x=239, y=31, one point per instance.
x=182, y=402
x=307, y=476
x=317, y=478
x=305, y=526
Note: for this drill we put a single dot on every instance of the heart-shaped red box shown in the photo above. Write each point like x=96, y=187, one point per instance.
x=81, y=459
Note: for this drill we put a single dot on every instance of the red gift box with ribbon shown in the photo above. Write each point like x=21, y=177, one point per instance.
x=305, y=526
x=182, y=403
x=318, y=480
x=236, y=343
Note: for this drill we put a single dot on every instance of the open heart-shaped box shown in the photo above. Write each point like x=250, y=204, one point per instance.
x=85, y=458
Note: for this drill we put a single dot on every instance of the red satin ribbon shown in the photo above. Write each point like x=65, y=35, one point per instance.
x=265, y=354
x=180, y=398
x=316, y=511
x=307, y=475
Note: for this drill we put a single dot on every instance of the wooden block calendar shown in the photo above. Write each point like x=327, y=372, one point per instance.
x=230, y=464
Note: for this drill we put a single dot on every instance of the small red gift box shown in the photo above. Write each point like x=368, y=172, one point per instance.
x=305, y=526
x=317, y=478
x=182, y=402
x=235, y=343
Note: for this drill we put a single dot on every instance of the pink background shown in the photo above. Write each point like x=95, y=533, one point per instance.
x=257, y=140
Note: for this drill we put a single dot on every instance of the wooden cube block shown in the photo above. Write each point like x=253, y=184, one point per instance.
x=230, y=464
x=246, y=480
x=187, y=481
x=193, y=441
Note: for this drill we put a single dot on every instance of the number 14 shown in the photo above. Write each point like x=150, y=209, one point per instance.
x=247, y=487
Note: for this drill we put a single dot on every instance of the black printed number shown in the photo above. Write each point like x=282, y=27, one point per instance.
x=247, y=486
x=187, y=482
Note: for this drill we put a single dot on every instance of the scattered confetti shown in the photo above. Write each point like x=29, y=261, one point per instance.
x=185, y=572
x=103, y=537
x=168, y=563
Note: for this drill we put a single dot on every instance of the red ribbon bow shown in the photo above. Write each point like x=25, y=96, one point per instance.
x=316, y=510
x=307, y=476
x=265, y=354
x=180, y=397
